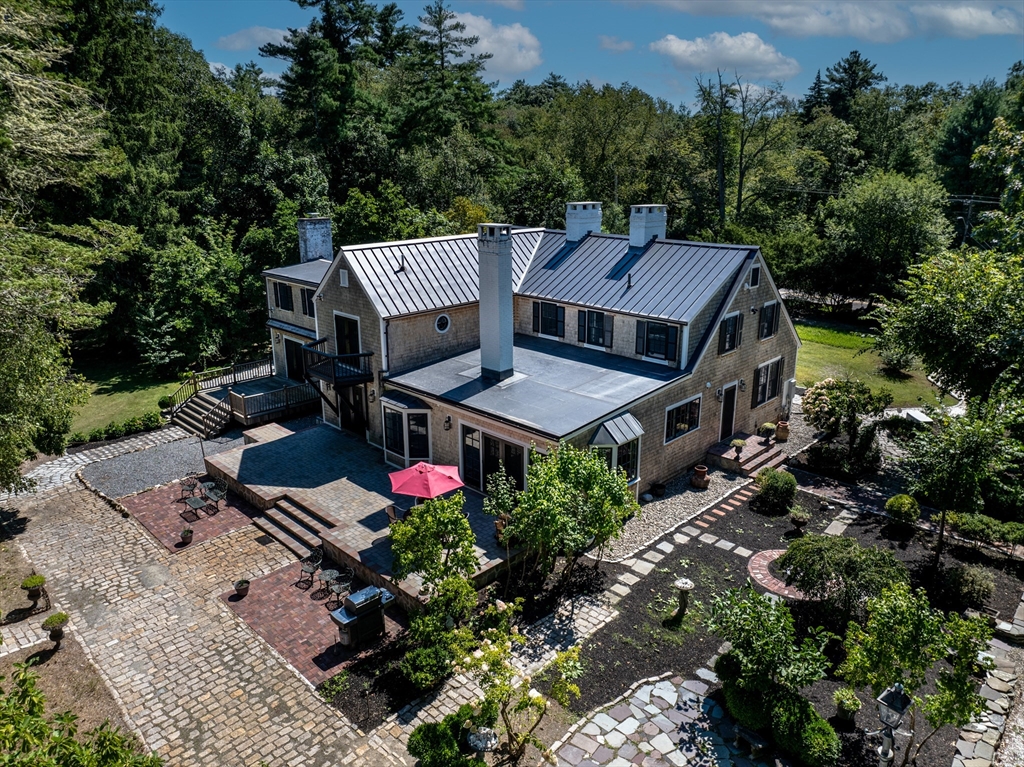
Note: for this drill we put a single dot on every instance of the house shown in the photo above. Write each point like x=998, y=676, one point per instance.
x=469, y=349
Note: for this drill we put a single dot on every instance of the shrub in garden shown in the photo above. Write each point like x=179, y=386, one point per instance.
x=970, y=585
x=164, y=402
x=436, y=744
x=114, y=430
x=776, y=490
x=748, y=707
x=78, y=438
x=977, y=527
x=801, y=732
x=903, y=509
x=152, y=420
x=98, y=434
x=846, y=701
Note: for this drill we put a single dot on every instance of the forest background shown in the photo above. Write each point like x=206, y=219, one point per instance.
x=142, y=195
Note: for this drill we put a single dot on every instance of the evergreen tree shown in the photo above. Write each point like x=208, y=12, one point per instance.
x=849, y=77
x=816, y=98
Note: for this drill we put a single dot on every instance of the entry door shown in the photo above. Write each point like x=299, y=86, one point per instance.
x=728, y=412
x=351, y=409
x=293, y=359
x=346, y=331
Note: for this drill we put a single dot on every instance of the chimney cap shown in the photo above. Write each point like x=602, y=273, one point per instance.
x=487, y=231
x=583, y=204
x=650, y=208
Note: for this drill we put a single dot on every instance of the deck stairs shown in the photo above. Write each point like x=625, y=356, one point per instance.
x=201, y=416
x=295, y=525
x=754, y=456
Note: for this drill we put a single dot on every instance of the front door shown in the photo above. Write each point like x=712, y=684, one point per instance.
x=346, y=330
x=351, y=409
x=293, y=359
x=728, y=412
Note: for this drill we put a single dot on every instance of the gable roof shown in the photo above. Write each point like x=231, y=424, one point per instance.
x=666, y=279
x=429, y=274
x=309, y=272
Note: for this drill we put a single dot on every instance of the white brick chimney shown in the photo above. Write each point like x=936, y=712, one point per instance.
x=315, y=238
x=645, y=222
x=494, y=246
x=580, y=218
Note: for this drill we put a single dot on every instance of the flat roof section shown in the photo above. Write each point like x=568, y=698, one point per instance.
x=556, y=390
x=309, y=272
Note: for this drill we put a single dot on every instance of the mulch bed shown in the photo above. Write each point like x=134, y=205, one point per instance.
x=164, y=513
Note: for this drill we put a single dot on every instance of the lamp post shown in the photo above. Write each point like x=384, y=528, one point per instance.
x=892, y=705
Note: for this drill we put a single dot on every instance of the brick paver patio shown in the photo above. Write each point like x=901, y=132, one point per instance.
x=295, y=621
x=160, y=511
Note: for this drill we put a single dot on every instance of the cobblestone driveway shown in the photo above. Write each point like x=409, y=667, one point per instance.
x=199, y=686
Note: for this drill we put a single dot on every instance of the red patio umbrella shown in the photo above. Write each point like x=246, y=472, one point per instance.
x=425, y=480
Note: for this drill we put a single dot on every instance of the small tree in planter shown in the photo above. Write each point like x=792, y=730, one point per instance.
x=847, y=703
x=186, y=535
x=738, y=445
x=33, y=584
x=767, y=431
x=799, y=519
x=55, y=625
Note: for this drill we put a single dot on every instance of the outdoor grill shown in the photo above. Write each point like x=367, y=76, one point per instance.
x=361, y=616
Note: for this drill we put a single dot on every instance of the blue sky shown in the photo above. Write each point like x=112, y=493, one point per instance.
x=661, y=45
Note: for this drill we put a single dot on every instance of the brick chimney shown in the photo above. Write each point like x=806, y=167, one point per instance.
x=315, y=238
x=580, y=218
x=645, y=223
x=494, y=247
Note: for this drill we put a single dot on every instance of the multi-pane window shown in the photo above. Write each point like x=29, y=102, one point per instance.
x=755, y=276
x=657, y=340
x=394, y=431
x=595, y=328
x=682, y=418
x=419, y=443
x=767, y=381
x=768, y=324
x=308, y=307
x=406, y=434
x=625, y=457
x=283, y=297
x=548, y=319
x=730, y=333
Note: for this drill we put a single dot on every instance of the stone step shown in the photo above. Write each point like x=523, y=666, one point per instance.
x=282, y=536
x=314, y=518
x=774, y=459
x=285, y=521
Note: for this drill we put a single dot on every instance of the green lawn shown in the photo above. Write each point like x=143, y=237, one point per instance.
x=118, y=390
x=831, y=350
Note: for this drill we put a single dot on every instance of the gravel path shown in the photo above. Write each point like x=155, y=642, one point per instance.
x=135, y=472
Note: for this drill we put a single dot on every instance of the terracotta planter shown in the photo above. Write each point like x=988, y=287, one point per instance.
x=782, y=431
x=700, y=471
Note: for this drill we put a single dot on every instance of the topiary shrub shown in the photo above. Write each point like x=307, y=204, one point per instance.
x=820, y=744
x=748, y=707
x=777, y=489
x=427, y=667
x=802, y=733
x=436, y=744
x=164, y=402
x=970, y=585
x=903, y=509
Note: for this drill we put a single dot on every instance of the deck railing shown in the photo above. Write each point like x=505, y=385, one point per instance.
x=214, y=378
x=337, y=369
x=247, y=407
x=216, y=418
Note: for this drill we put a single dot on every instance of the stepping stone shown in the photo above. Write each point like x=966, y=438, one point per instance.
x=998, y=684
x=620, y=713
x=628, y=578
x=835, y=528
x=654, y=556
x=581, y=741
x=680, y=539
x=571, y=754
x=591, y=729
x=1004, y=676
x=694, y=686
x=718, y=512
x=709, y=538
x=643, y=567
x=708, y=676
x=665, y=546
x=650, y=729
x=693, y=532
x=984, y=750
x=644, y=694
x=964, y=749
x=621, y=589
x=742, y=551
x=629, y=726
x=619, y=762
x=602, y=755
x=663, y=723
x=676, y=758
x=663, y=743
x=700, y=524
x=614, y=739
x=667, y=692
x=724, y=544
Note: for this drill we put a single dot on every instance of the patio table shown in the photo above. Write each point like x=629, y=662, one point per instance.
x=326, y=576
x=195, y=504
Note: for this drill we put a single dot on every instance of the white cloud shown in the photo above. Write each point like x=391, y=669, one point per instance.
x=217, y=68
x=614, y=44
x=514, y=47
x=515, y=5
x=879, y=21
x=745, y=53
x=249, y=38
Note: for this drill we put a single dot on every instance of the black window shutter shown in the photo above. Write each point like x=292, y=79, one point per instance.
x=277, y=295
x=561, y=322
x=778, y=377
x=739, y=331
x=671, y=348
x=721, y=337
x=286, y=293
x=609, y=323
x=582, y=334
x=641, y=336
x=536, y=316
x=754, y=388
x=778, y=311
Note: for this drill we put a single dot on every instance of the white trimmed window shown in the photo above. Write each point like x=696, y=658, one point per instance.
x=682, y=418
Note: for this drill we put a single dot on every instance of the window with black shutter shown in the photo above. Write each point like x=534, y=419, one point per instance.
x=283, y=297
x=768, y=324
x=581, y=326
x=730, y=333
x=308, y=307
x=595, y=328
x=549, y=319
x=641, y=337
x=657, y=340
x=767, y=382
x=536, y=316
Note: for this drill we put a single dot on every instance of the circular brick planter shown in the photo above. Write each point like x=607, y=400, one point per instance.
x=758, y=568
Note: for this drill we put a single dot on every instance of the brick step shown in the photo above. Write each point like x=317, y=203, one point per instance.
x=282, y=536
x=774, y=460
x=316, y=520
x=310, y=538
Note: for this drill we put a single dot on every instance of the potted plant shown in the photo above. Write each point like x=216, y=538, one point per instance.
x=242, y=587
x=847, y=703
x=186, y=536
x=34, y=586
x=55, y=625
x=658, y=489
x=738, y=445
x=782, y=431
x=767, y=431
x=799, y=519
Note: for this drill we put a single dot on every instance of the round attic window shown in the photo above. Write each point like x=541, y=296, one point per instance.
x=442, y=323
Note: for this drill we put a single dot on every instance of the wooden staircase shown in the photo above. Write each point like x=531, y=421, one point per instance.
x=754, y=456
x=296, y=526
x=203, y=415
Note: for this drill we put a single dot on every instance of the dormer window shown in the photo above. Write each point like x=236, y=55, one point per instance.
x=755, y=276
x=283, y=297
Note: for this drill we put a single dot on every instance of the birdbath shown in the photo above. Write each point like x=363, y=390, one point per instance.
x=684, y=586
x=483, y=740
